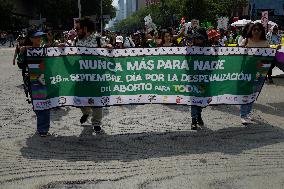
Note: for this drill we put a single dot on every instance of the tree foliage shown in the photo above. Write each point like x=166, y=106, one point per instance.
x=6, y=14
x=62, y=12
x=162, y=14
x=169, y=12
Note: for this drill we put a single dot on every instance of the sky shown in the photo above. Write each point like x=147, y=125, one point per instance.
x=115, y=3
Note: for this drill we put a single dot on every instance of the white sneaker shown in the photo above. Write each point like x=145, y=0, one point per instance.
x=246, y=121
x=250, y=117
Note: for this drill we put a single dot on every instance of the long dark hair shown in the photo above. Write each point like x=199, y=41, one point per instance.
x=262, y=37
x=246, y=30
x=163, y=36
x=86, y=22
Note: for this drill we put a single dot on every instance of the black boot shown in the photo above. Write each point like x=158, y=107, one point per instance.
x=194, y=124
x=84, y=118
x=200, y=121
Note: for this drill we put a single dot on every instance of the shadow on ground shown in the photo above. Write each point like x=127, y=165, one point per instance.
x=278, y=80
x=181, y=108
x=58, y=113
x=275, y=109
x=129, y=147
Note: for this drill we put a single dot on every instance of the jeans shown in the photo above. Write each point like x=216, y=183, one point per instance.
x=245, y=110
x=195, y=111
x=43, y=120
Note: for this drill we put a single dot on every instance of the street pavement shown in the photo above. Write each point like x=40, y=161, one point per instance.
x=148, y=146
x=277, y=72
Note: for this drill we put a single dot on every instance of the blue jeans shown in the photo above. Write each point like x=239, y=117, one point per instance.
x=195, y=111
x=43, y=120
x=245, y=110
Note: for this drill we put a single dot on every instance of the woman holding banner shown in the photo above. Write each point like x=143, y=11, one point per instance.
x=43, y=116
x=256, y=38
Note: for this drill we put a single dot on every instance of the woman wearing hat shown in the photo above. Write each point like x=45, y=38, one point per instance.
x=214, y=38
x=34, y=39
x=43, y=116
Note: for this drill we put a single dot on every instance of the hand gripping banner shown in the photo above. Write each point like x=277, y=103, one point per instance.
x=201, y=76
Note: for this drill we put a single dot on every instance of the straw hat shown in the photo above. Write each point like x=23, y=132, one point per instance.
x=212, y=33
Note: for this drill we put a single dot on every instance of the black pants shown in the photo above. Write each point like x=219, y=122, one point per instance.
x=11, y=43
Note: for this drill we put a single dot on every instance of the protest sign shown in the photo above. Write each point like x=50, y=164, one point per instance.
x=264, y=19
x=223, y=23
x=201, y=76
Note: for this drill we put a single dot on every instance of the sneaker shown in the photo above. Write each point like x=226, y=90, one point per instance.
x=194, y=124
x=200, y=121
x=250, y=117
x=246, y=121
x=97, y=129
x=84, y=118
x=44, y=134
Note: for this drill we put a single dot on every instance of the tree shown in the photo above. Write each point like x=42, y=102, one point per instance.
x=6, y=14
x=168, y=12
x=163, y=15
x=62, y=12
x=225, y=7
x=194, y=9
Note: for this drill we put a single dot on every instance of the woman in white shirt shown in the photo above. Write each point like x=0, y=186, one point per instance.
x=243, y=38
x=256, y=39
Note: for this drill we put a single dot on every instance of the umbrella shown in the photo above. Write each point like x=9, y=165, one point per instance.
x=242, y=22
x=269, y=22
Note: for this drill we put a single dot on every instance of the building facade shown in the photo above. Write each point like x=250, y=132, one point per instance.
x=127, y=7
x=275, y=10
x=143, y=3
x=120, y=14
x=131, y=7
x=274, y=7
x=150, y=2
